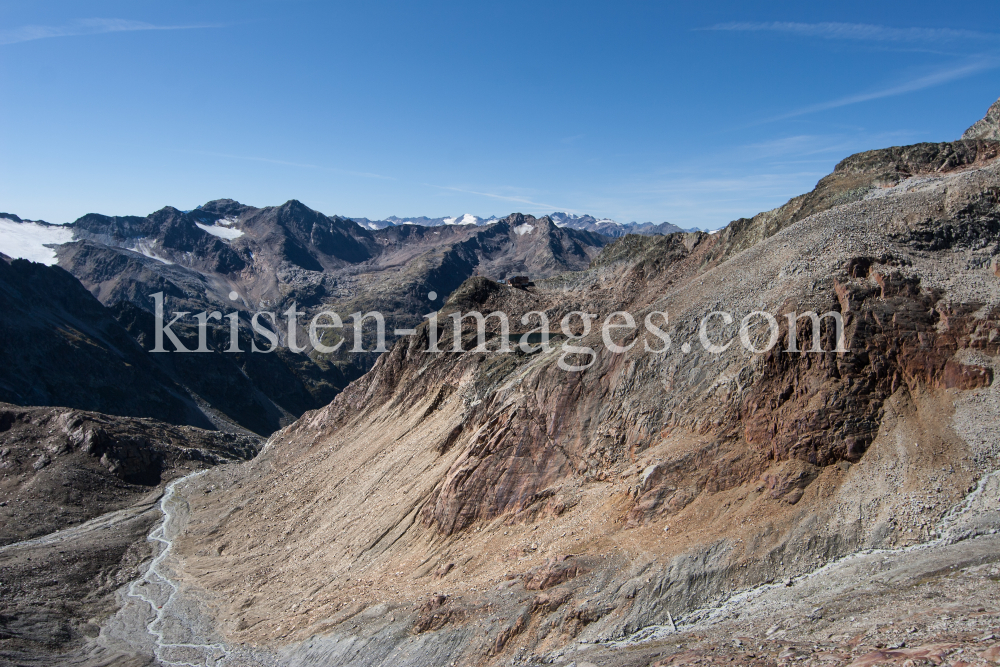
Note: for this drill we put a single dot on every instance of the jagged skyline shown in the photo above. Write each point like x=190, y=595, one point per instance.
x=372, y=111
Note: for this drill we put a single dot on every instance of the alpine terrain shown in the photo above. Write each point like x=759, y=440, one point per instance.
x=698, y=486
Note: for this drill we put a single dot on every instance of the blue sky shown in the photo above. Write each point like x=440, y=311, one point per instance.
x=635, y=111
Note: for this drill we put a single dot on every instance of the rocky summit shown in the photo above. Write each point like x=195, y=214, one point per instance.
x=988, y=127
x=786, y=450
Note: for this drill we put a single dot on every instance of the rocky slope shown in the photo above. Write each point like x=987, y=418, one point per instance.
x=484, y=507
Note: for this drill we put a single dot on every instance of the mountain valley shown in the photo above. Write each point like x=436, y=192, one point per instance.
x=833, y=499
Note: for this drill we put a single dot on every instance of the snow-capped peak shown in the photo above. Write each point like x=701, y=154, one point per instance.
x=589, y=223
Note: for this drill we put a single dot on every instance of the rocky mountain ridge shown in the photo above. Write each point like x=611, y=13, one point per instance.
x=227, y=257
x=987, y=127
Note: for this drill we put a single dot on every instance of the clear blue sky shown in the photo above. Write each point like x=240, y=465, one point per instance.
x=636, y=111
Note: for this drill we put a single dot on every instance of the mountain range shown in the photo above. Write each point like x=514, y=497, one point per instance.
x=587, y=223
x=747, y=486
x=228, y=257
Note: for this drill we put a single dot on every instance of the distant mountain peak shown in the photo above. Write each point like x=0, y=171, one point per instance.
x=223, y=207
x=220, y=202
x=609, y=227
x=464, y=219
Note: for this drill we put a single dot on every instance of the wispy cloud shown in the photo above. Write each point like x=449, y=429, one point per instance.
x=520, y=200
x=799, y=145
x=707, y=199
x=927, y=81
x=859, y=31
x=808, y=145
x=84, y=27
x=762, y=183
x=302, y=165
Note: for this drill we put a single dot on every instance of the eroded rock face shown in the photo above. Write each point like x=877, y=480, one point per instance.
x=667, y=480
x=827, y=408
x=555, y=571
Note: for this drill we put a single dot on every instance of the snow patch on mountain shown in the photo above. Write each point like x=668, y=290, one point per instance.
x=28, y=240
x=145, y=247
x=227, y=233
x=521, y=230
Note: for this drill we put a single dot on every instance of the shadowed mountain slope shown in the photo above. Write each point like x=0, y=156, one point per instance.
x=62, y=347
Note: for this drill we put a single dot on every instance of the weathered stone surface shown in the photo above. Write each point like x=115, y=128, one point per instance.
x=555, y=571
x=987, y=127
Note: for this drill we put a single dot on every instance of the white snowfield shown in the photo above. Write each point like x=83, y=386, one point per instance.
x=574, y=218
x=227, y=233
x=27, y=240
x=523, y=229
x=464, y=219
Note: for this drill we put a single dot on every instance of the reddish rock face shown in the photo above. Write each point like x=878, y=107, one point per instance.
x=819, y=409
x=827, y=408
x=787, y=481
x=554, y=572
x=436, y=613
